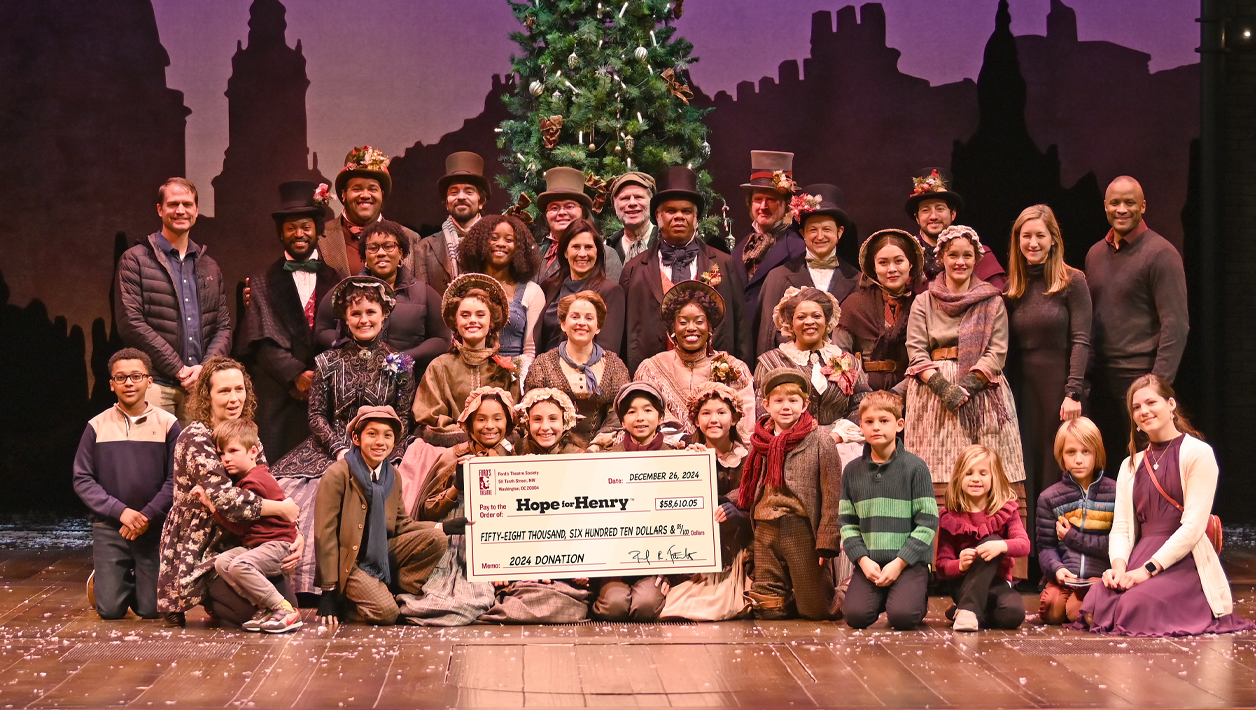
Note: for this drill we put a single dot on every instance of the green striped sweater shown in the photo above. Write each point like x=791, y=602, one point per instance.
x=888, y=509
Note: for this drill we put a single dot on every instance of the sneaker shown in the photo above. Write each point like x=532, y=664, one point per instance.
x=91, y=589
x=282, y=620
x=965, y=620
x=255, y=624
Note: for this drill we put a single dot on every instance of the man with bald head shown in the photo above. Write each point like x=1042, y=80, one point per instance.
x=1138, y=286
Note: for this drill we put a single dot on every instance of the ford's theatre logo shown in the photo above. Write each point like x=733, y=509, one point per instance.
x=486, y=480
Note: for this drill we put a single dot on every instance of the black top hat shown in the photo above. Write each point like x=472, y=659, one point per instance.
x=678, y=183
x=933, y=184
x=297, y=199
x=830, y=204
x=465, y=168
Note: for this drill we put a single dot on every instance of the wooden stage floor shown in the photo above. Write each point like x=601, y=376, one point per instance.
x=55, y=652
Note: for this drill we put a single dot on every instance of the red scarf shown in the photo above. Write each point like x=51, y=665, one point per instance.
x=766, y=459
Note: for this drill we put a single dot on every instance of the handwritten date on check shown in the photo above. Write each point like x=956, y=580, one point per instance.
x=592, y=515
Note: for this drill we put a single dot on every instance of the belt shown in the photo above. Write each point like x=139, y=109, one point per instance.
x=945, y=354
x=881, y=366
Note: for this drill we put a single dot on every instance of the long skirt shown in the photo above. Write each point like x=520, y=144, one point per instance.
x=937, y=435
x=1171, y=603
x=1045, y=374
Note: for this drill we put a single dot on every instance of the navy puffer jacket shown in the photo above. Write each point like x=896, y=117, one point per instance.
x=1084, y=549
x=148, y=314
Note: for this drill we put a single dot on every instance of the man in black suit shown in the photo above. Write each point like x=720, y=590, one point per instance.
x=823, y=224
x=772, y=240
x=276, y=339
x=680, y=256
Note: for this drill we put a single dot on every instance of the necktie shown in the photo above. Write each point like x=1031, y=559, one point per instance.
x=818, y=380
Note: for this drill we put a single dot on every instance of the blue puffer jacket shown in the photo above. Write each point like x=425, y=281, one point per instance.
x=1084, y=549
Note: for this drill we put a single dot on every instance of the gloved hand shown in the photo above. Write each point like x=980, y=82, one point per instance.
x=972, y=383
x=329, y=604
x=457, y=526
x=731, y=510
x=460, y=477
x=951, y=395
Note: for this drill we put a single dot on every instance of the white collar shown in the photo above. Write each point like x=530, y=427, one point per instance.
x=802, y=357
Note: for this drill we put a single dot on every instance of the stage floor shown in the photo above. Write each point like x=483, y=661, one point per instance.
x=55, y=652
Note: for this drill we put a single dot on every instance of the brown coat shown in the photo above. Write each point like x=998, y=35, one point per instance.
x=646, y=332
x=439, y=497
x=339, y=519
x=813, y=474
x=331, y=247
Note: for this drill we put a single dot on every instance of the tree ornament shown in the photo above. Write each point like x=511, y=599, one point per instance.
x=641, y=53
x=536, y=88
x=618, y=150
x=629, y=142
x=678, y=9
x=557, y=95
x=550, y=129
x=573, y=60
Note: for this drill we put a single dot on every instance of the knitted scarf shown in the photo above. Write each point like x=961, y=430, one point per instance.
x=976, y=309
x=473, y=357
x=766, y=460
x=374, y=556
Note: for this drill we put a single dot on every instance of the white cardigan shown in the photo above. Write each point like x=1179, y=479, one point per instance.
x=1199, y=485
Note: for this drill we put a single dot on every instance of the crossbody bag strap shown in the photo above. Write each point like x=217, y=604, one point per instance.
x=1156, y=483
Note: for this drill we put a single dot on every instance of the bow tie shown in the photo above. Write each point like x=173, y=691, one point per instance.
x=678, y=256
x=829, y=262
x=309, y=265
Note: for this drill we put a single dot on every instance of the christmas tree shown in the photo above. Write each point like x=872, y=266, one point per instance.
x=604, y=88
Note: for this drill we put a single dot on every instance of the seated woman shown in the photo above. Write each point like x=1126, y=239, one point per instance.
x=693, y=310
x=487, y=419
x=502, y=246
x=192, y=539
x=874, y=317
x=1165, y=579
x=582, y=267
x=806, y=319
x=475, y=308
x=546, y=420
x=363, y=371
x=414, y=325
x=640, y=407
x=957, y=339
x=368, y=548
x=580, y=368
x=546, y=417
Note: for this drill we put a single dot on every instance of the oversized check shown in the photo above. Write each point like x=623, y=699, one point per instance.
x=592, y=515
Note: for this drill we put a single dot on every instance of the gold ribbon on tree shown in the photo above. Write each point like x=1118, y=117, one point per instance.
x=520, y=208
x=601, y=187
x=679, y=90
x=550, y=128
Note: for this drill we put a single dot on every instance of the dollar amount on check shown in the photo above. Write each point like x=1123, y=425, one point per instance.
x=594, y=515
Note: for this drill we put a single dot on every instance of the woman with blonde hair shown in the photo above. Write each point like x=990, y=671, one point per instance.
x=1049, y=313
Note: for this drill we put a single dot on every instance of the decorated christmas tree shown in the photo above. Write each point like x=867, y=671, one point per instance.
x=604, y=88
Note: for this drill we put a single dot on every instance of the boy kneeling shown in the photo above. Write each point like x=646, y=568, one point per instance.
x=365, y=543
x=889, y=518
x=790, y=485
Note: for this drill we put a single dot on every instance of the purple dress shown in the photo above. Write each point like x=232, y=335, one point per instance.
x=1172, y=603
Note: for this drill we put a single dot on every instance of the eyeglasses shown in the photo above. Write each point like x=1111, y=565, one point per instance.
x=136, y=377
x=388, y=248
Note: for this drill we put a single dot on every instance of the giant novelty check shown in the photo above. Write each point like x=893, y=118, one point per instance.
x=592, y=515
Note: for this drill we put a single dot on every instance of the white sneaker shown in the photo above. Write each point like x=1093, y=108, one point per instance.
x=965, y=620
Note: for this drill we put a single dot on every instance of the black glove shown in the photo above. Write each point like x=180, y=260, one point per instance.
x=460, y=481
x=329, y=603
x=457, y=526
x=828, y=554
x=952, y=396
x=972, y=383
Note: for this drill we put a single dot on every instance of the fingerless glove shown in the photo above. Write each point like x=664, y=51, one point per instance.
x=951, y=395
x=456, y=526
